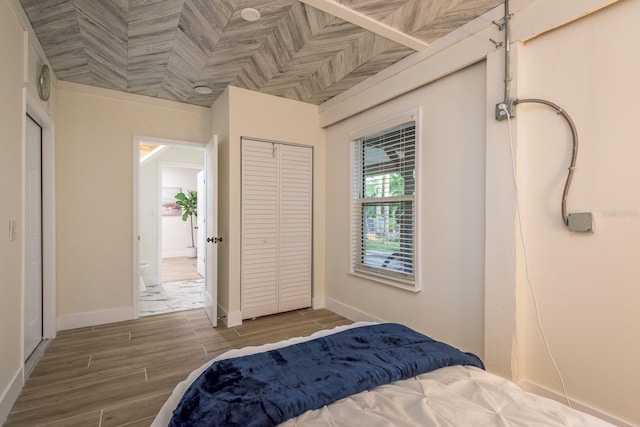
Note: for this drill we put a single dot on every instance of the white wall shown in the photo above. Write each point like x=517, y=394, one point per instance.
x=253, y=114
x=150, y=202
x=17, y=49
x=11, y=134
x=94, y=163
x=176, y=233
x=450, y=224
x=588, y=285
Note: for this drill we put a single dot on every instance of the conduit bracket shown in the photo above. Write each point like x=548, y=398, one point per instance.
x=503, y=107
x=496, y=43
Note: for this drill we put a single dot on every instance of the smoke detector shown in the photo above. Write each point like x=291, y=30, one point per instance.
x=203, y=90
x=250, y=14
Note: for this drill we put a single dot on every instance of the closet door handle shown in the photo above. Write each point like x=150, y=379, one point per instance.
x=214, y=239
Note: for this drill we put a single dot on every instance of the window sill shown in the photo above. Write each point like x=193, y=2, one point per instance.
x=389, y=282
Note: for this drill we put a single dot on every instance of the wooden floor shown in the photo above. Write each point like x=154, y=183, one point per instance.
x=179, y=268
x=120, y=374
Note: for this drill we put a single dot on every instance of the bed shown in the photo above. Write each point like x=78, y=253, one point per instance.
x=364, y=374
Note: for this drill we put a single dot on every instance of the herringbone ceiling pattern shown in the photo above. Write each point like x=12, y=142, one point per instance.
x=164, y=48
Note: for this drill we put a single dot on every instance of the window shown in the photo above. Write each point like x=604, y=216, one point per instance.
x=383, y=218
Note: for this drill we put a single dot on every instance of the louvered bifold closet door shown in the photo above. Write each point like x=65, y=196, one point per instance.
x=295, y=224
x=277, y=223
x=259, y=258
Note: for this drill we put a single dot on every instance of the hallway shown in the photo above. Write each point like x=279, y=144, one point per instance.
x=182, y=288
x=179, y=268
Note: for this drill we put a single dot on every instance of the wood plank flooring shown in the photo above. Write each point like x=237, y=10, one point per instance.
x=179, y=268
x=121, y=374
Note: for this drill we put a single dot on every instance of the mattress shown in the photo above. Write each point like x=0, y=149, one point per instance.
x=450, y=396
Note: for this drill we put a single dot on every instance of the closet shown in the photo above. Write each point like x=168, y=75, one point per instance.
x=277, y=223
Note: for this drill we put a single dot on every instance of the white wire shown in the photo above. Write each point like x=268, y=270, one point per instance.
x=526, y=261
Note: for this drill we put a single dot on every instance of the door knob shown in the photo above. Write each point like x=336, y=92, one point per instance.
x=214, y=239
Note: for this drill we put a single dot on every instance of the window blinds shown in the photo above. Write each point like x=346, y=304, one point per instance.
x=383, y=227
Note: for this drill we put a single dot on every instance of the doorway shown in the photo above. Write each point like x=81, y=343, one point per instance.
x=33, y=319
x=39, y=244
x=167, y=269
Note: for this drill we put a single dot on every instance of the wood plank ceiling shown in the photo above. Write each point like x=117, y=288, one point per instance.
x=164, y=48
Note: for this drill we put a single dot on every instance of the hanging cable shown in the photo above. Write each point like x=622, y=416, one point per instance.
x=574, y=155
x=506, y=110
x=526, y=265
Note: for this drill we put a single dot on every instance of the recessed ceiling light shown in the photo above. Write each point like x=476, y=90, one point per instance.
x=203, y=90
x=250, y=14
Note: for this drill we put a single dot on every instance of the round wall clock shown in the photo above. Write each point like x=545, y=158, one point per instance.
x=44, y=83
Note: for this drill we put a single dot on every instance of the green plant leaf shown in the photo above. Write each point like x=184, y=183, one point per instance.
x=189, y=204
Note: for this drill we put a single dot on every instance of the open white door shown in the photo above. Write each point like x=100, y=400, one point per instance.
x=211, y=227
x=202, y=238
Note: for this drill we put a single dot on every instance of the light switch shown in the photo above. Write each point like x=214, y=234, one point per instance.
x=12, y=231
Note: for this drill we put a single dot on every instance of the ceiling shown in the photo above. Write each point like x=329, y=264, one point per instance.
x=164, y=48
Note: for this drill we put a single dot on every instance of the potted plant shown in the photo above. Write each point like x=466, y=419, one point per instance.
x=189, y=203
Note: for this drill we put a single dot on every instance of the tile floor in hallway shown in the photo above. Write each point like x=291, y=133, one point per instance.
x=172, y=296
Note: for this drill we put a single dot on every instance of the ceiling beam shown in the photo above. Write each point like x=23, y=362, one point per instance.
x=363, y=21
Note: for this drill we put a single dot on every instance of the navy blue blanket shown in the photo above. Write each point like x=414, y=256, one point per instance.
x=266, y=389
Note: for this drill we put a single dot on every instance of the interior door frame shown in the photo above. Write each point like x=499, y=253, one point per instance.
x=32, y=232
x=137, y=139
x=35, y=109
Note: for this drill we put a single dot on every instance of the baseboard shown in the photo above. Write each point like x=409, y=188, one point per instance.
x=234, y=318
x=550, y=394
x=32, y=361
x=92, y=318
x=10, y=395
x=229, y=319
x=349, y=312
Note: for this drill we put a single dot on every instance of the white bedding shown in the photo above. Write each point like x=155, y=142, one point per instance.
x=452, y=396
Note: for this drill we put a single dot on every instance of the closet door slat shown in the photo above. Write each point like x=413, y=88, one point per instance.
x=259, y=256
x=295, y=226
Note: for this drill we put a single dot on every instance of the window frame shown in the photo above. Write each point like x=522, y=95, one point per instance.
x=357, y=233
